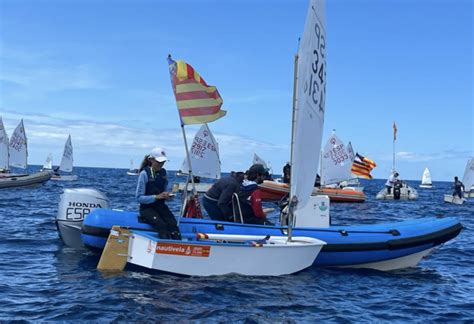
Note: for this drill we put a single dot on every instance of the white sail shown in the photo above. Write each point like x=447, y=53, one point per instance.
x=258, y=160
x=336, y=163
x=67, y=160
x=468, y=179
x=204, y=155
x=310, y=102
x=3, y=147
x=48, y=164
x=18, y=147
x=131, y=165
x=426, y=180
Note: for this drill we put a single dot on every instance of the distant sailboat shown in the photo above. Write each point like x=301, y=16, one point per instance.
x=400, y=190
x=3, y=149
x=66, y=165
x=132, y=171
x=204, y=156
x=468, y=178
x=15, y=154
x=426, y=179
x=48, y=164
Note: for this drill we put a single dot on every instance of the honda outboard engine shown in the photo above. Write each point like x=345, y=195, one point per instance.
x=74, y=206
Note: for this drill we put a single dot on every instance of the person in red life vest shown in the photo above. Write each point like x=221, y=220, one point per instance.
x=251, y=198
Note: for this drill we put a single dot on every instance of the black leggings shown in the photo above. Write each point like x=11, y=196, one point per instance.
x=160, y=217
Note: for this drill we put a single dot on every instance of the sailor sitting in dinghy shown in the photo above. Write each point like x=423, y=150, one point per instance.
x=151, y=194
x=218, y=199
x=250, y=197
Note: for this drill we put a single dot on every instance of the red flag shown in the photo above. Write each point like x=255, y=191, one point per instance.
x=394, y=131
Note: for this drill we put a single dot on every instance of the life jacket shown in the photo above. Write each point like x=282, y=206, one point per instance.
x=193, y=208
x=156, y=184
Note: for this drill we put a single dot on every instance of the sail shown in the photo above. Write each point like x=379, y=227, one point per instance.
x=336, y=163
x=3, y=147
x=48, y=164
x=350, y=151
x=18, y=147
x=258, y=160
x=131, y=165
x=310, y=102
x=426, y=180
x=468, y=179
x=204, y=155
x=67, y=160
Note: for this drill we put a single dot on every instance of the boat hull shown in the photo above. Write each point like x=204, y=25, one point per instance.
x=201, y=187
x=210, y=258
x=24, y=180
x=347, y=246
x=64, y=178
x=426, y=186
x=406, y=193
x=454, y=199
x=273, y=191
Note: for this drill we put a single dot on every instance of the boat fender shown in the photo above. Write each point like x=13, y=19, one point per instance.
x=344, y=232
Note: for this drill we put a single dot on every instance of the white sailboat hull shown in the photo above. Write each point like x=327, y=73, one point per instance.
x=426, y=186
x=209, y=258
x=64, y=178
x=453, y=199
x=200, y=187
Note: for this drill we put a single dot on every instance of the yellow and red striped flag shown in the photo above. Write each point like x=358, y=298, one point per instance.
x=198, y=102
x=361, y=166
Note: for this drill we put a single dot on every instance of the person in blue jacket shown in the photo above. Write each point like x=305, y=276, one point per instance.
x=152, y=195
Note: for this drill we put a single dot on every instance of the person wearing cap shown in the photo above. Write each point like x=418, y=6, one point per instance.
x=251, y=198
x=217, y=201
x=152, y=195
x=391, y=181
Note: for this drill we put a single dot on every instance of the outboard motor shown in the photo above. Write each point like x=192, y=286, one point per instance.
x=397, y=190
x=74, y=206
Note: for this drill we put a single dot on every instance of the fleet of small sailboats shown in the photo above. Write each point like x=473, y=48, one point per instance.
x=14, y=153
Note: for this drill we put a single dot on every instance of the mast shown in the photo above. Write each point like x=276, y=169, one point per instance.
x=293, y=200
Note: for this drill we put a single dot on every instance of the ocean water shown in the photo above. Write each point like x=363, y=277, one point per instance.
x=43, y=280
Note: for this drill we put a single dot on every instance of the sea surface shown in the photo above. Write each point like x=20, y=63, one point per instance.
x=41, y=279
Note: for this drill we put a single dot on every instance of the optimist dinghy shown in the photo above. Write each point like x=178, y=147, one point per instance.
x=67, y=162
x=209, y=255
x=454, y=199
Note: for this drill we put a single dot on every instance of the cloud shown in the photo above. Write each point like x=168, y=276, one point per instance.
x=109, y=144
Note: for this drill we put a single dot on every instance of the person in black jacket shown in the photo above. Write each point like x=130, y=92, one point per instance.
x=458, y=188
x=217, y=201
x=152, y=195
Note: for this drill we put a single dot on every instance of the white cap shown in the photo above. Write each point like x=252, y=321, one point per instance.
x=158, y=154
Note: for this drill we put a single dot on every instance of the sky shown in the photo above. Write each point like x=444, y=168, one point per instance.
x=97, y=70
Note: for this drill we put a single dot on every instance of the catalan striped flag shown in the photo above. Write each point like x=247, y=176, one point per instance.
x=198, y=102
x=361, y=166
